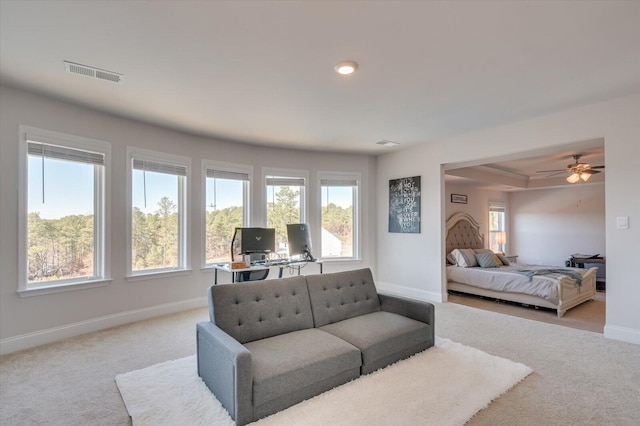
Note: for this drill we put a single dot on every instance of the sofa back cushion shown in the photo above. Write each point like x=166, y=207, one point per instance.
x=342, y=295
x=253, y=311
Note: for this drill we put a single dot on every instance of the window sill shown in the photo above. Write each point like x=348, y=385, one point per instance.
x=59, y=288
x=152, y=275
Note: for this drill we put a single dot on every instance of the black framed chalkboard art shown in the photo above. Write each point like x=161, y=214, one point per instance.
x=404, y=205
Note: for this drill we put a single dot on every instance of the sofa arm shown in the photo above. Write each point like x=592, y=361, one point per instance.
x=225, y=367
x=414, y=309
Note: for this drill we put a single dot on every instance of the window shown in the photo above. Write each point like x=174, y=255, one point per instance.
x=285, y=202
x=339, y=206
x=497, y=228
x=226, y=196
x=63, y=222
x=157, y=218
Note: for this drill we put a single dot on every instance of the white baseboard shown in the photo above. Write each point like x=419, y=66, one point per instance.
x=50, y=335
x=410, y=292
x=625, y=334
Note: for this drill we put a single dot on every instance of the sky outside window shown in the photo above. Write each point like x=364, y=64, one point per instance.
x=228, y=193
x=156, y=186
x=68, y=188
x=341, y=196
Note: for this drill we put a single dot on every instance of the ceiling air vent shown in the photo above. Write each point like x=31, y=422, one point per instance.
x=92, y=72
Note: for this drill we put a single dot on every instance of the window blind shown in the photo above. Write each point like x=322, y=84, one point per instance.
x=64, y=153
x=498, y=208
x=154, y=166
x=338, y=182
x=284, y=181
x=223, y=174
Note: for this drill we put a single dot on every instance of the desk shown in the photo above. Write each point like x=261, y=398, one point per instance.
x=235, y=273
x=579, y=262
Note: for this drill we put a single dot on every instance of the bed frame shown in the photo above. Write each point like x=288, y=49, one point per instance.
x=464, y=232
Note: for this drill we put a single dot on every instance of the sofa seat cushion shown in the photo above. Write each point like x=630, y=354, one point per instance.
x=284, y=365
x=382, y=337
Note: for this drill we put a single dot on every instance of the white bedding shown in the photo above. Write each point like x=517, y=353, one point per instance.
x=545, y=286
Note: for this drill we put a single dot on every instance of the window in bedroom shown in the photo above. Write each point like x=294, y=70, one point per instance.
x=63, y=227
x=226, y=207
x=285, y=203
x=157, y=216
x=497, y=228
x=339, y=213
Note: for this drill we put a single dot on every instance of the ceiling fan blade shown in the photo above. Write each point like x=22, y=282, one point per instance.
x=556, y=173
x=591, y=171
x=596, y=167
x=551, y=171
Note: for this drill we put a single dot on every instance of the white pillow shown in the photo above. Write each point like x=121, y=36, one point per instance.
x=465, y=258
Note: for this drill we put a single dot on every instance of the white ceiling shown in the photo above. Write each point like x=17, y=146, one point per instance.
x=531, y=172
x=262, y=72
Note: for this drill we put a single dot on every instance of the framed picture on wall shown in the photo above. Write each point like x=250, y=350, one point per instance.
x=459, y=198
x=404, y=205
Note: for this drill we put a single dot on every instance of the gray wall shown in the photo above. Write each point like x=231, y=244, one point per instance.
x=544, y=226
x=548, y=225
x=412, y=264
x=26, y=321
x=477, y=206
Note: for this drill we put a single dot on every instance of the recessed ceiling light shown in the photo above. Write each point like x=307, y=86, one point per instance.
x=385, y=142
x=346, y=67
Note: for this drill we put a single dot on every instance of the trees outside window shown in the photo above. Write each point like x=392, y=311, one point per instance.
x=155, y=226
x=339, y=201
x=158, y=219
x=63, y=196
x=226, y=207
x=285, y=204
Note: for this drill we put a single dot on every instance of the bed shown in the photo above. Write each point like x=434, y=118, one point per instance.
x=546, y=286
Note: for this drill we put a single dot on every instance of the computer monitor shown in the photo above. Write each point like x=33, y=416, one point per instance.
x=299, y=240
x=247, y=241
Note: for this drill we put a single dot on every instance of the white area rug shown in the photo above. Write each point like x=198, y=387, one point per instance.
x=445, y=385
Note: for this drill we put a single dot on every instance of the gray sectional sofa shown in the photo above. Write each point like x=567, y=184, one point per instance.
x=272, y=344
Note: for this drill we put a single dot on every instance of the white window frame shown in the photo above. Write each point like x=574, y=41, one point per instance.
x=102, y=219
x=184, y=209
x=286, y=173
x=342, y=176
x=246, y=196
x=498, y=205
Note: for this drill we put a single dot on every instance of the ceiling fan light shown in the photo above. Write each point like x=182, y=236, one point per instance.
x=573, y=178
x=585, y=176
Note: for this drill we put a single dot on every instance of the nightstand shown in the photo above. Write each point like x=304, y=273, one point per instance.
x=512, y=258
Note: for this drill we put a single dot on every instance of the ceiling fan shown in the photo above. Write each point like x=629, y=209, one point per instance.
x=578, y=171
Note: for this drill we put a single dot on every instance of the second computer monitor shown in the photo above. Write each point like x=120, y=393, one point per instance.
x=299, y=240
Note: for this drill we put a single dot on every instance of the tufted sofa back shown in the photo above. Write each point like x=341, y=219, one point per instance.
x=254, y=311
x=342, y=295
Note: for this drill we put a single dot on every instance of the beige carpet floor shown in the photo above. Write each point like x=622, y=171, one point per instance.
x=580, y=378
x=589, y=316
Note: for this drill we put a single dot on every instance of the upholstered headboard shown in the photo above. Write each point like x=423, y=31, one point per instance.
x=463, y=232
